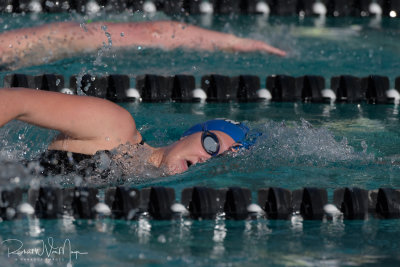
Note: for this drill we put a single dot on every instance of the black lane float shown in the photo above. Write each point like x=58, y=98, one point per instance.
x=235, y=203
x=333, y=8
x=374, y=89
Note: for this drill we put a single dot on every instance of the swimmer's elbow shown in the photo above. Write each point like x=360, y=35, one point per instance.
x=127, y=124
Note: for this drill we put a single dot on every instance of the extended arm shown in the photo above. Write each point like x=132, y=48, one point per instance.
x=88, y=124
x=37, y=45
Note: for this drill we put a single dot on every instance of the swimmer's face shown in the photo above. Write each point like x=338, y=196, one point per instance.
x=189, y=151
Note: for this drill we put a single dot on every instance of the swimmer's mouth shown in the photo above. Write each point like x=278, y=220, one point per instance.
x=188, y=163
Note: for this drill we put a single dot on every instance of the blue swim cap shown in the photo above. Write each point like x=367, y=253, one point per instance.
x=237, y=130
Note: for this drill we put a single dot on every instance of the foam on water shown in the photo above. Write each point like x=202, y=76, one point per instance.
x=302, y=143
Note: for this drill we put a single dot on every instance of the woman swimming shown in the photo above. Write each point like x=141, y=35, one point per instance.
x=54, y=41
x=88, y=125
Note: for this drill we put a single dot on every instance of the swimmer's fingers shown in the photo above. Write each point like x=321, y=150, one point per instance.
x=249, y=45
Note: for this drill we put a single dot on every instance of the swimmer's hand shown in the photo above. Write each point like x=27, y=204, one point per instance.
x=249, y=45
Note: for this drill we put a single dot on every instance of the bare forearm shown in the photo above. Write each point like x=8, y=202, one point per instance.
x=46, y=43
x=38, y=45
x=10, y=108
x=171, y=34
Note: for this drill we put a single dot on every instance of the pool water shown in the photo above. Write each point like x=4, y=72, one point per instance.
x=302, y=144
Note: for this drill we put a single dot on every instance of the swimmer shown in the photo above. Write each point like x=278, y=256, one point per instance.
x=89, y=124
x=50, y=42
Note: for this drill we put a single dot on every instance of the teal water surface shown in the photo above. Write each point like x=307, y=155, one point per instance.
x=302, y=144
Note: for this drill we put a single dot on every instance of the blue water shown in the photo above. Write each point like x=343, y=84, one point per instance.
x=322, y=145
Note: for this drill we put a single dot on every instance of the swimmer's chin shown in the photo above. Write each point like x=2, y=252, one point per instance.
x=181, y=167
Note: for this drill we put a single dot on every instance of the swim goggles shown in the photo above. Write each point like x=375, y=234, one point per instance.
x=210, y=143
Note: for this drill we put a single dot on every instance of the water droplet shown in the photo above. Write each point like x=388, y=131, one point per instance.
x=122, y=34
x=131, y=214
x=10, y=213
x=78, y=181
x=16, y=180
x=139, y=48
x=162, y=239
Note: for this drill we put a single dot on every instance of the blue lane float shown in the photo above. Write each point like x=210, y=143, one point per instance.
x=373, y=89
x=234, y=203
